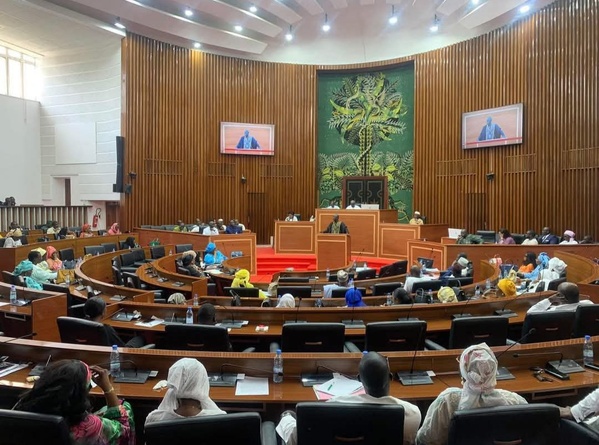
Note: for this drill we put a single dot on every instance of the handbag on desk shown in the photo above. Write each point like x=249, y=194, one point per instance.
x=63, y=273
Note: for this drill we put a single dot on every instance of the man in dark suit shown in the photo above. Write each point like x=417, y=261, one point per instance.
x=336, y=226
x=547, y=237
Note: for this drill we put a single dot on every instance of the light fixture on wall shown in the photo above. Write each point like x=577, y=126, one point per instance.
x=393, y=18
x=243, y=179
x=490, y=176
x=435, y=26
x=197, y=45
x=326, y=27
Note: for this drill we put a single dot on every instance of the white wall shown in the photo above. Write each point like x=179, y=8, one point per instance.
x=81, y=90
x=20, y=161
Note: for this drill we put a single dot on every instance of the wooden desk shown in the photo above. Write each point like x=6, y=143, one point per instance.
x=394, y=237
x=333, y=251
x=165, y=269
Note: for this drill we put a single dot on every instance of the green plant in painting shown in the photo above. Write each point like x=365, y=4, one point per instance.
x=367, y=110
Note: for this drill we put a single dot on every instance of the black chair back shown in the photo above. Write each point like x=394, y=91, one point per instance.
x=243, y=291
x=459, y=282
x=433, y=285
x=488, y=236
x=519, y=237
x=385, y=288
x=182, y=270
x=333, y=278
x=197, y=337
x=127, y=259
x=586, y=321
x=109, y=247
x=549, y=326
x=343, y=423
x=395, y=336
x=139, y=255
x=534, y=424
x=296, y=291
x=67, y=254
x=180, y=248
x=473, y=330
x=553, y=284
x=313, y=337
x=294, y=280
x=25, y=428
x=340, y=292
x=397, y=268
x=9, y=277
x=577, y=433
x=117, y=276
x=157, y=252
x=241, y=428
x=81, y=332
x=94, y=250
x=366, y=274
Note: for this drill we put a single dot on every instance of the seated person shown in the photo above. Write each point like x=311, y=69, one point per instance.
x=529, y=263
x=207, y=314
x=220, y=225
x=342, y=278
x=242, y=279
x=24, y=269
x=584, y=411
x=233, y=228
x=114, y=229
x=401, y=296
x=210, y=229
x=40, y=274
x=130, y=243
x=587, y=239
x=177, y=298
x=414, y=277
x=291, y=216
x=188, y=393
x=542, y=263
x=180, y=227
x=198, y=226
x=376, y=376
x=63, y=390
x=212, y=255
x=12, y=239
x=478, y=367
x=65, y=234
x=86, y=231
x=458, y=269
x=566, y=299
x=417, y=218
x=353, y=298
x=188, y=262
x=14, y=230
x=506, y=287
x=447, y=295
x=467, y=238
x=333, y=204
x=53, y=259
x=53, y=229
x=95, y=310
x=505, y=237
x=353, y=205
x=287, y=301
x=556, y=268
x=569, y=238
x=530, y=239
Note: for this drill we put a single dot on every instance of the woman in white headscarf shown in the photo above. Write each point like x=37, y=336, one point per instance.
x=187, y=394
x=286, y=300
x=478, y=367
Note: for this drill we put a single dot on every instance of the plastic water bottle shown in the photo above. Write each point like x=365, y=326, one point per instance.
x=189, y=316
x=488, y=284
x=429, y=296
x=389, y=299
x=477, y=292
x=115, y=362
x=67, y=280
x=13, y=294
x=351, y=282
x=328, y=273
x=587, y=350
x=365, y=265
x=196, y=302
x=277, y=368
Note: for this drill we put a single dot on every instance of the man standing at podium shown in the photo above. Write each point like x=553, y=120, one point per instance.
x=336, y=226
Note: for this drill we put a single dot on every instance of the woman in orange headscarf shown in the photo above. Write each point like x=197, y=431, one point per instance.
x=114, y=229
x=53, y=259
x=86, y=231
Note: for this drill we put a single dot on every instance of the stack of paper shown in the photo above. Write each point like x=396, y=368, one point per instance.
x=338, y=386
x=9, y=368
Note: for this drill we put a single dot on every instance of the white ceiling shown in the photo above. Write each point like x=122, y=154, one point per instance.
x=360, y=31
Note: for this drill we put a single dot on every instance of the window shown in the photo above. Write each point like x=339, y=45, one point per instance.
x=18, y=74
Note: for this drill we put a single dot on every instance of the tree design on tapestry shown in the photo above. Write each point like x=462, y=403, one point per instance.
x=367, y=109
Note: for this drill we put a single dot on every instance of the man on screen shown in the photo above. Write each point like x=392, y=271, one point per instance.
x=491, y=131
x=248, y=141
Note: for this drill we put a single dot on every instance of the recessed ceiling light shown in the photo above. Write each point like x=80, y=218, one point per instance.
x=326, y=27
x=524, y=9
x=253, y=9
x=188, y=12
x=475, y=2
x=289, y=35
x=118, y=23
x=197, y=45
x=393, y=19
x=435, y=26
x=238, y=28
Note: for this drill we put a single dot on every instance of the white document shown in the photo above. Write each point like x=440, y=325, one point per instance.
x=150, y=324
x=252, y=386
x=340, y=386
x=13, y=367
x=4, y=304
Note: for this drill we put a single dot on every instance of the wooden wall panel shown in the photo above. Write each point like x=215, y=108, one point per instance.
x=175, y=98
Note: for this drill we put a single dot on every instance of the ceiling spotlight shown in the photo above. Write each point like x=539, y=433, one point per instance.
x=393, y=18
x=475, y=2
x=188, y=12
x=197, y=45
x=435, y=26
x=524, y=9
x=118, y=23
x=289, y=35
x=238, y=28
x=253, y=9
x=326, y=27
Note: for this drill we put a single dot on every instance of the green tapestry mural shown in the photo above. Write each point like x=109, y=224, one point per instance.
x=366, y=128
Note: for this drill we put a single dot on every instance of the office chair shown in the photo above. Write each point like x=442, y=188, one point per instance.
x=245, y=292
x=197, y=337
x=397, y=268
x=395, y=336
x=459, y=282
x=433, y=285
x=25, y=428
x=2, y=240
x=577, y=433
x=81, y=332
x=182, y=270
x=342, y=423
x=385, y=288
x=340, y=292
x=586, y=321
x=294, y=280
x=127, y=261
x=117, y=276
x=553, y=284
x=519, y=237
x=549, y=326
x=312, y=337
x=93, y=250
x=366, y=274
x=180, y=248
x=139, y=255
x=469, y=331
x=534, y=424
x=67, y=254
x=9, y=277
x=157, y=252
x=488, y=236
x=109, y=247
x=296, y=291
x=237, y=428
x=131, y=279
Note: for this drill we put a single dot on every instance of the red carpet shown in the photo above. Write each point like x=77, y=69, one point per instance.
x=270, y=263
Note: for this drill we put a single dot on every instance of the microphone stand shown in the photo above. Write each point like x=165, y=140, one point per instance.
x=231, y=324
x=502, y=371
x=412, y=378
x=553, y=367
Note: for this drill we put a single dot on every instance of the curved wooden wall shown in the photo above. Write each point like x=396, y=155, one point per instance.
x=174, y=100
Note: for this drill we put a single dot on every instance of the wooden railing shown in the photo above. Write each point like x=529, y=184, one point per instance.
x=30, y=216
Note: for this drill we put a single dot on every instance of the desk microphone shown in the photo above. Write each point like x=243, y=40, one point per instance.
x=407, y=318
x=549, y=367
x=347, y=376
x=355, y=265
x=509, y=313
x=415, y=378
x=297, y=309
x=31, y=334
x=230, y=323
x=517, y=342
x=236, y=300
x=462, y=314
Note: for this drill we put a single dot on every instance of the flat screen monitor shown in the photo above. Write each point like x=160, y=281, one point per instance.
x=243, y=291
x=492, y=127
x=247, y=139
x=296, y=291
